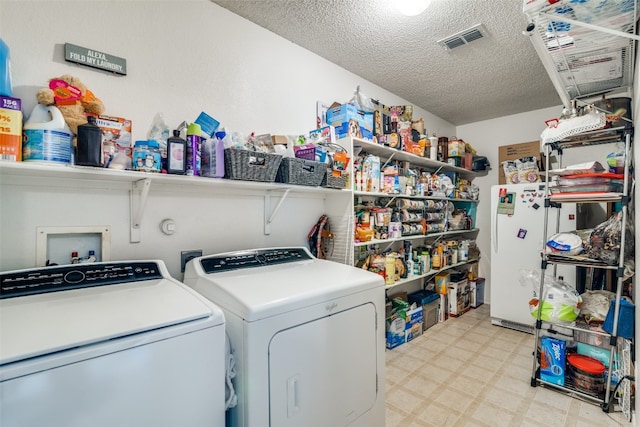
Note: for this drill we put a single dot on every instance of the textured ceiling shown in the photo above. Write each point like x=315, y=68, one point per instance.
x=492, y=77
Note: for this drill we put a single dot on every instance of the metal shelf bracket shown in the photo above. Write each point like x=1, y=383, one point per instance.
x=137, y=200
x=270, y=215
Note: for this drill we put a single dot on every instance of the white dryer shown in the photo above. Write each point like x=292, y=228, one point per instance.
x=308, y=336
x=108, y=344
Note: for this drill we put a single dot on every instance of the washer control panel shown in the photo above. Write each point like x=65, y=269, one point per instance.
x=54, y=279
x=249, y=259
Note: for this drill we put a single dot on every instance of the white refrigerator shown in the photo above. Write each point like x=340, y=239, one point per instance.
x=517, y=217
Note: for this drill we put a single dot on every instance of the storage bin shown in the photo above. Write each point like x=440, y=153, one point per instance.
x=250, y=165
x=476, y=287
x=429, y=300
x=301, y=172
x=331, y=181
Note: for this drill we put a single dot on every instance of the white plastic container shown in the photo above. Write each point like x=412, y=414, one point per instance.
x=46, y=137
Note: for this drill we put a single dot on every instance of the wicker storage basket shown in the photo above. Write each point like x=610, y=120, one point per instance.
x=250, y=165
x=331, y=181
x=301, y=172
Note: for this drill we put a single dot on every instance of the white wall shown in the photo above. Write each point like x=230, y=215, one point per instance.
x=183, y=57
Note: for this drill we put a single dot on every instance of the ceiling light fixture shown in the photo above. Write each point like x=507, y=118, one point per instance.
x=411, y=7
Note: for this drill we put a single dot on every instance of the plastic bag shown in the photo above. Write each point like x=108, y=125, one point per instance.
x=159, y=131
x=362, y=101
x=595, y=305
x=527, y=170
x=560, y=301
x=510, y=168
x=604, y=243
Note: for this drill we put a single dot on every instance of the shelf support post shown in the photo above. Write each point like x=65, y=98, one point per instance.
x=137, y=200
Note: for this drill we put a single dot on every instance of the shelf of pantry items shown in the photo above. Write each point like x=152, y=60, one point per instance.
x=404, y=196
x=416, y=237
x=392, y=154
x=140, y=183
x=429, y=273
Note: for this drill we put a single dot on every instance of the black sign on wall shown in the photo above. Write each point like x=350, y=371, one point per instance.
x=95, y=59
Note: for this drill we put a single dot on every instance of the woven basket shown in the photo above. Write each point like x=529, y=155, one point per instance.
x=331, y=181
x=250, y=165
x=301, y=172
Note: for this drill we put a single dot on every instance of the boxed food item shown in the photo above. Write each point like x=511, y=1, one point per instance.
x=381, y=119
x=349, y=121
x=413, y=323
x=10, y=129
x=371, y=174
x=116, y=137
x=459, y=298
x=456, y=148
x=552, y=360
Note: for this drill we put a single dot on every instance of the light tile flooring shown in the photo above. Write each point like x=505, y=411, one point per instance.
x=467, y=372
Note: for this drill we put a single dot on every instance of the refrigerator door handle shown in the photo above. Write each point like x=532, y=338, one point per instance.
x=495, y=230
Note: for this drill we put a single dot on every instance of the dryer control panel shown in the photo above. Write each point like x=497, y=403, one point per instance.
x=249, y=259
x=54, y=279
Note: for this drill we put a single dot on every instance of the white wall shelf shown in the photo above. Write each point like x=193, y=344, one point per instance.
x=427, y=236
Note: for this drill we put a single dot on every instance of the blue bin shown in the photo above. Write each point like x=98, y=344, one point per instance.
x=626, y=319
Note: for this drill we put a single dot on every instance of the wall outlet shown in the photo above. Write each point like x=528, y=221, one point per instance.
x=186, y=256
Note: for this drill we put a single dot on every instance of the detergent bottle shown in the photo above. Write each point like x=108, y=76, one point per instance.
x=46, y=137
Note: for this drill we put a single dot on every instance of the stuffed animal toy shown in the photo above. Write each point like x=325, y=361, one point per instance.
x=72, y=98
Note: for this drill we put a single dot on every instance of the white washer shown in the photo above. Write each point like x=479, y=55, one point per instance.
x=308, y=336
x=108, y=344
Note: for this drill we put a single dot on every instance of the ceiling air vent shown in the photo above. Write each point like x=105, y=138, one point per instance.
x=463, y=37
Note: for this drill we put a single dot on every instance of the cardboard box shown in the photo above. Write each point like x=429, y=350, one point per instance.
x=552, y=360
x=459, y=298
x=516, y=151
x=413, y=323
x=396, y=327
x=396, y=323
x=116, y=133
x=349, y=121
x=326, y=133
x=473, y=270
x=279, y=139
x=381, y=119
x=10, y=129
